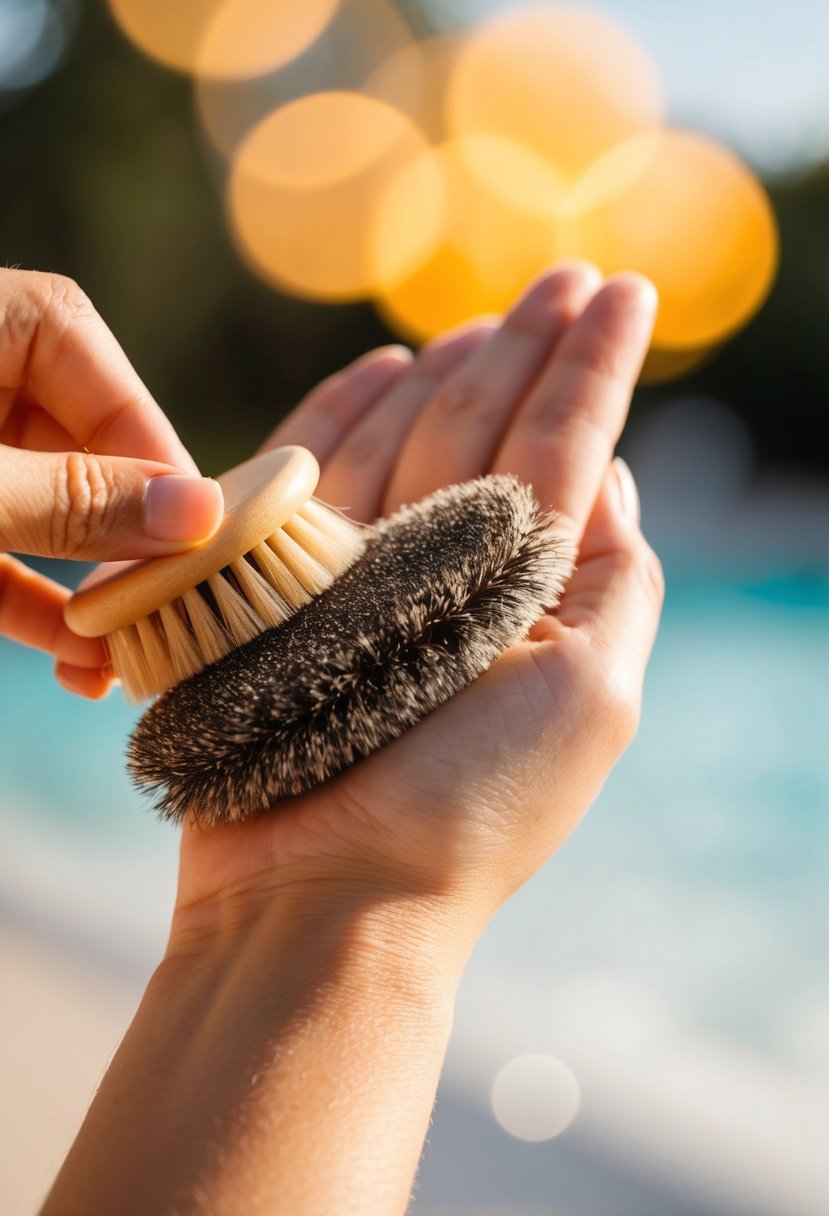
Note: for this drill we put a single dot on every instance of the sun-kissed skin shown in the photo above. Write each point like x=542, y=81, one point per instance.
x=287, y=1051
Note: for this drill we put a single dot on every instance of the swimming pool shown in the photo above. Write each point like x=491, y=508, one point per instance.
x=689, y=912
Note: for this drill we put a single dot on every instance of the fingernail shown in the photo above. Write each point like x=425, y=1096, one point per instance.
x=182, y=508
x=629, y=509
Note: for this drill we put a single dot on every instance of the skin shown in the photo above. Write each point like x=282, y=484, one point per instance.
x=80, y=439
x=288, y=1048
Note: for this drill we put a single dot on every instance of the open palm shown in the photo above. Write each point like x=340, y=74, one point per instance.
x=480, y=793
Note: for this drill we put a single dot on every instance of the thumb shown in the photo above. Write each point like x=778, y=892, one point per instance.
x=101, y=508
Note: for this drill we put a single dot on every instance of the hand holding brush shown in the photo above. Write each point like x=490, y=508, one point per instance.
x=286, y=1054
x=90, y=467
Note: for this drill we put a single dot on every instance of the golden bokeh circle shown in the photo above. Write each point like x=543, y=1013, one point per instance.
x=360, y=35
x=687, y=213
x=335, y=197
x=488, y=250
x=223, y=39
x=167, y=30
x=414, y=78
x=247, y=38
x=566, y=82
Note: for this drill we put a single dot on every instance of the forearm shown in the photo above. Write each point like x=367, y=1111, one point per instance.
x=290, y=1067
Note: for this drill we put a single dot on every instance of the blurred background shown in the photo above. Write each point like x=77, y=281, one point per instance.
x=645, y=1028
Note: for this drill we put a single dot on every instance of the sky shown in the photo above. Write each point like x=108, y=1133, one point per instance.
x=752, y=72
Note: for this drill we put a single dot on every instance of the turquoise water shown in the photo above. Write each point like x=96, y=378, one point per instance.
x=701, y=871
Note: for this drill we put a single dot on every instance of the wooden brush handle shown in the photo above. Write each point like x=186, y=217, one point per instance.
x=260, y=496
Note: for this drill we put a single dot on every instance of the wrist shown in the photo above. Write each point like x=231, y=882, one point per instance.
x=298, y=1036
x=415, y=945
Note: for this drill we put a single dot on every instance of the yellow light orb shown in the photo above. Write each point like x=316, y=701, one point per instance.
x=223, y=38
x=687, y=213
x=516, y=174
x=335, y=197
x=443, y=292
x=565, y=82
x=357, y=37
x=414, y=79
x=168, y=32
x=249, y=37
x=488, y=250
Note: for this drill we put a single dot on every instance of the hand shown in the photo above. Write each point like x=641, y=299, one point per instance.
x=464, y=807
x=286, y=1054
x=90, y=468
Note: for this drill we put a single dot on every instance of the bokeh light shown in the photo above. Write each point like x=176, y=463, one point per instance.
x=437, y=176
x=316, y=201
x=223, y=38
x=250, y=37
x=32, y=40
x=170, y=33
x=685, y=212
x=566, y=82
x=535, y=1097
x=359, y=36
x=415, y=80
x=488, y=250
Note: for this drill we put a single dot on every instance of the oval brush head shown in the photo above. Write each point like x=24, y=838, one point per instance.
x=277, y=547
x=441, y=589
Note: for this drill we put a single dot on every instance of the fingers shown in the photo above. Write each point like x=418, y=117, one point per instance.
x=563, y=435
x=89, y=682
x=31, y=427
x=611, y=606
x=330, y=410
x=96, y=508
x=54, y=345
x=457, y=434
x=31, y=612
x=359, y=470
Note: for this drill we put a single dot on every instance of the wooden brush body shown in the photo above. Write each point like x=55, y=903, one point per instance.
x=277, y=547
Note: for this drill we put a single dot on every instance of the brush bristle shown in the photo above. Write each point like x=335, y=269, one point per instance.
x=441, y=590
x=260, y=590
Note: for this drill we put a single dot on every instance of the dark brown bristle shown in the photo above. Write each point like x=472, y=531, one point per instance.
x=441, y=590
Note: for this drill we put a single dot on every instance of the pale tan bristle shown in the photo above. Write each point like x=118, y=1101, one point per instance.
x=185, y=659
x=239, y=618
x=254, y=593
x=127, y=657
x=279, y=576
x=315, y=543
x=155, y=653
x=348, y=538
x=304, y=567
x=268, y=605
x=213, y=639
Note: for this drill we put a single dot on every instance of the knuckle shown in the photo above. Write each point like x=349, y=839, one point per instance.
x=434, y=361
x=541, y=312
x=20, y=316
x=563, y=420
x=84, y=496
x=611, y=700
x=652, y=575
x=31, y=301
x=363, y=448
x=637, y=564
x=617, y=710
x=65, y=299
x=463, y=401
